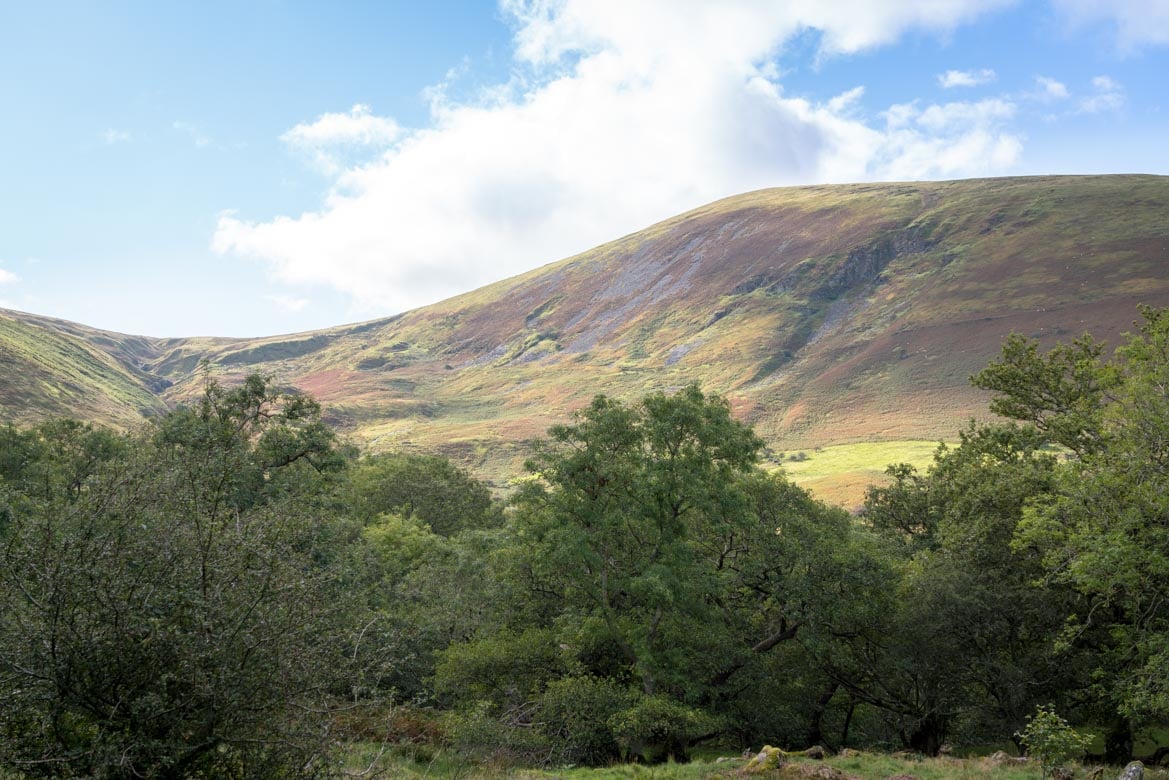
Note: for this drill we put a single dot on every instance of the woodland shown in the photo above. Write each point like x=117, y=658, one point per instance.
x=232, y=591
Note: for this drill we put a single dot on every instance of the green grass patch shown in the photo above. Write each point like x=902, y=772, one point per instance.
x=841, y=473
x=877, y=766
x=871, y=457
x=405, y=761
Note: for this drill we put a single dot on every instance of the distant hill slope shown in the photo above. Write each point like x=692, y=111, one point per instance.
x=826, y=314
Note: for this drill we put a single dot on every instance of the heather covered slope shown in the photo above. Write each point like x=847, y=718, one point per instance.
x=827, y=315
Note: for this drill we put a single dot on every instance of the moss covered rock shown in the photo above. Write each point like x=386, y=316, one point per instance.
x=766, y=760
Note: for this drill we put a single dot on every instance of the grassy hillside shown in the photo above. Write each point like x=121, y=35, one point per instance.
x=828, y=315
x=53, y=368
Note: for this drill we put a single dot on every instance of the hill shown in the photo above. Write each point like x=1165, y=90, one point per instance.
x=828, y=315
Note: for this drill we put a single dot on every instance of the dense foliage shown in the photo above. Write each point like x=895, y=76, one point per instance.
x=172, y=603
x=219, y=593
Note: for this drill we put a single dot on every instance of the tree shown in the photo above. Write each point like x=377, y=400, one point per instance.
x=427, y=487
x=652, y=556
x=180, y=611
x=1103, y=532
x=969, y=639
x=621, y=494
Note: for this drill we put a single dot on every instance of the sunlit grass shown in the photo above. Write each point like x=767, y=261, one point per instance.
x=870, y=457
x=841, y=473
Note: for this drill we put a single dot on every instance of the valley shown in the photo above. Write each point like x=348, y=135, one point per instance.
x=829, y=316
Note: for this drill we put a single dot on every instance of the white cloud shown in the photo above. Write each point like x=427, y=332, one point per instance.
x=112, y=136
x=1108, y=95
x=1050, y=89
x=288, y=303
x=359, y=126
x=1137, y=23
x=965, y=78
x=197, y=136
x=7, y=277
x=846, y=101
x=329, y=138
x=619, y=114
x=948, y=140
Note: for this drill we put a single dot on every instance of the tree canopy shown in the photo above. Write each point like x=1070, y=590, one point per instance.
x=171, y=603
x=224, y=592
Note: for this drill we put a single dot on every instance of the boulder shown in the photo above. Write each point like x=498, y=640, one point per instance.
x=999, y=758
x=766, y=760
x=1134, y=771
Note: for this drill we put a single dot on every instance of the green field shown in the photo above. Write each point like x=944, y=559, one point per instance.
x=840, y=473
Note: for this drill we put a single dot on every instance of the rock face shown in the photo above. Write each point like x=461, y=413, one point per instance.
x=1134, y=771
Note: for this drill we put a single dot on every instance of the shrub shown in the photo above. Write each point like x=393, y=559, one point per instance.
x=661, y=727
x=505, y=739
x=1051, y=740
x=576, y=712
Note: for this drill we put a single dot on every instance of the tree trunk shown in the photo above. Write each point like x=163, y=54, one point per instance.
x=815, y=728
x=1118, y=741
x=928, y=735
x=847, y=722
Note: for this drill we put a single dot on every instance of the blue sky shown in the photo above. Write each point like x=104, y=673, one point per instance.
x=266, y=167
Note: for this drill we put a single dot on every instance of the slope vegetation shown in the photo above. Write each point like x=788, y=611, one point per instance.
x=828, y=315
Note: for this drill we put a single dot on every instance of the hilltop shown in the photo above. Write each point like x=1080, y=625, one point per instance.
x=827, y=315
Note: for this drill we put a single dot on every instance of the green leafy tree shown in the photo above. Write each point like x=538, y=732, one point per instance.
x=1050, y=739
x=619, y=497
x=1103, y=531
x=53, y=459
x=659, y=559
x=428, y=592
x=427, y=487
x=181, y=610
x=968, y=645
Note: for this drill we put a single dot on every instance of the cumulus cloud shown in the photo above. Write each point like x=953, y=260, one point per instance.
x=948, y=139
x=7, y=277
x=1137, y=23
x=619, y=114
x=965, y=78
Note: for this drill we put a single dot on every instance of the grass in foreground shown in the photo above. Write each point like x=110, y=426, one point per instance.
x=417, y=762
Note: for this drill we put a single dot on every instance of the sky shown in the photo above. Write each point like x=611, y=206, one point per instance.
x=257, y=167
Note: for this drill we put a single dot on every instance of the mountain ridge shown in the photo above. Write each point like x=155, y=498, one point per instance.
x=826, y=314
